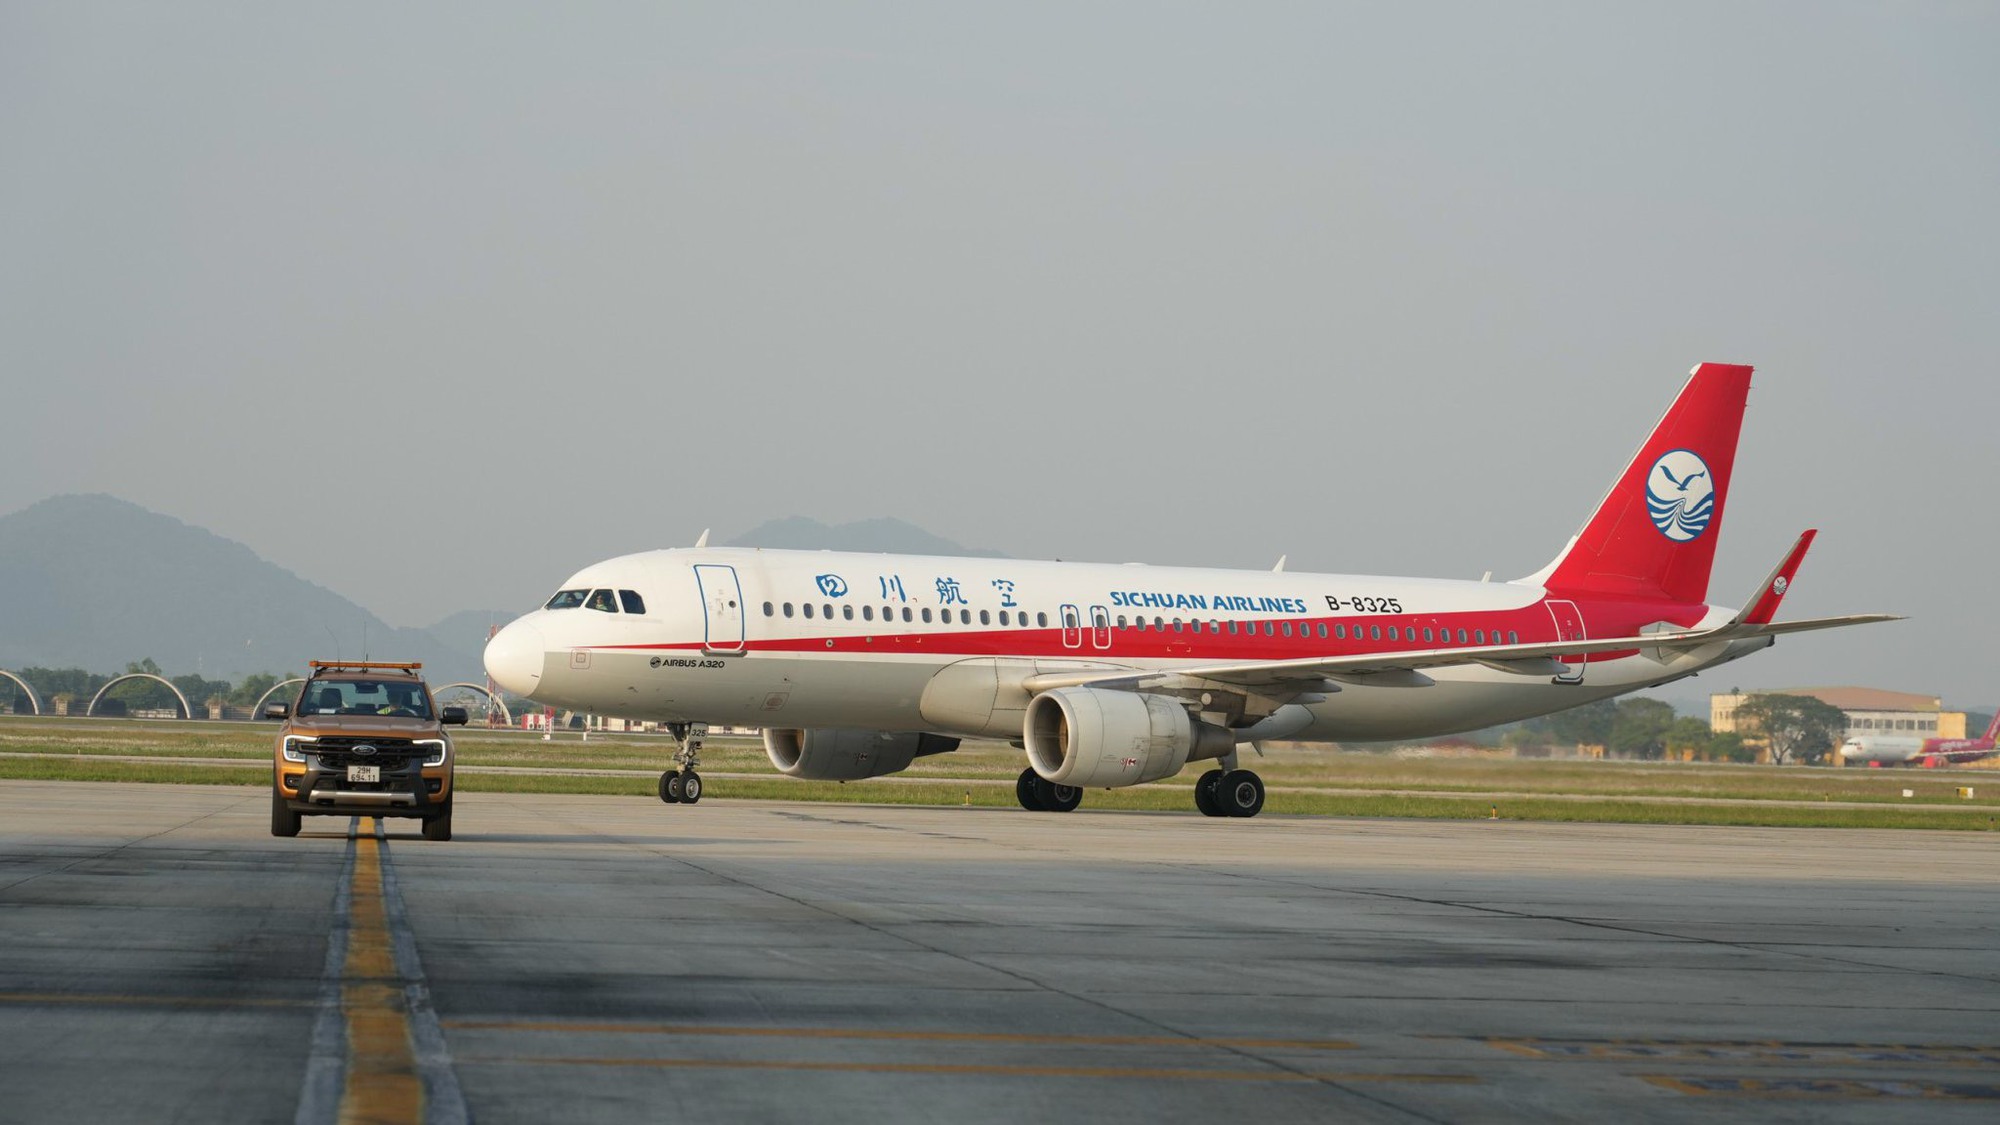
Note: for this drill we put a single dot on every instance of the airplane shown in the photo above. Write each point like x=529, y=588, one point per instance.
x=855, y=665
x=1904, y=750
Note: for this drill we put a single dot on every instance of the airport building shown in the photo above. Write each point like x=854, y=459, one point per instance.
x=1869, y=711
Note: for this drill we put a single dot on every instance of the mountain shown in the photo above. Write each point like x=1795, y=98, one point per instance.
x=96, y=582
x=890, y=536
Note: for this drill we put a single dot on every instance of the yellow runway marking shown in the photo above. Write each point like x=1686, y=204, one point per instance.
x=980, y=1068
x=381, y=1085
x=905, y=1035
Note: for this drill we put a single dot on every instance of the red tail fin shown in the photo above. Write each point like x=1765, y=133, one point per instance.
x=1993, y=728
x=1654, y=534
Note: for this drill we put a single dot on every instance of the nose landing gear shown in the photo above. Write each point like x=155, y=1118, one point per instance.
x=682, y=785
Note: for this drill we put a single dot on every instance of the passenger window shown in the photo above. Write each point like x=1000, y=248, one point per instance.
x=828, y=608
x=985, y=618
x=1322, y=630
x=847, y=613
x=1003, y=617
x=1286, y=628
x=867, y=613
x=906, y=613
x=1374, y=632
x=1041, y=620
x=600, y=600
x=965, y=617
x=788, y=609
x=809, y=609
x=1513, y=638
x=927, y=615
x=769, y=609
x=567, y=599
x=1427, y=634
x=1340, y=632
x=1479, y=636
x=632, y=602
x=1270, y=628
x=1461, y=636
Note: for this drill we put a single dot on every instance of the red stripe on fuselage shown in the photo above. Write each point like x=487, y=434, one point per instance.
x=1532, y=624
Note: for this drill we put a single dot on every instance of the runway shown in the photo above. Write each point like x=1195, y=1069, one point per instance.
x=609, y=959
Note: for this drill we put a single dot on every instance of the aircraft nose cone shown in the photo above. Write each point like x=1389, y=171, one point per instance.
x=514, y=658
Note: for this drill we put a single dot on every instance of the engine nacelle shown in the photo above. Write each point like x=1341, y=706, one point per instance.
x=1099, y=739
x=833, y=754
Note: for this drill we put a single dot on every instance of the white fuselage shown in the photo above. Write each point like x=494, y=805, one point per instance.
x=799, y=639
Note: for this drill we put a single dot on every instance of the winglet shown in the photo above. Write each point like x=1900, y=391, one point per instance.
x=703, y=541
x=1764, y=604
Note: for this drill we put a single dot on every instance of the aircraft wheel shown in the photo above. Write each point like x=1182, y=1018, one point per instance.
x=437, y=826
x=690, y=787
x=1027, y=790
x=1058, y=798
x=284, y=822
x=1207, y=794
x=670, y=787
x=1241, y=793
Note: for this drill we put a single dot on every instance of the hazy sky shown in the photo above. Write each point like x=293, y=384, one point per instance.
x=436, y=304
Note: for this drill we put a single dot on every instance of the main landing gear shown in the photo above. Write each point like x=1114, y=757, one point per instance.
x=1229, y=793
x=1038, y=794
x=681, y=785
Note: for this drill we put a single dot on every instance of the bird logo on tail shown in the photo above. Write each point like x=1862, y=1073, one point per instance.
x=1680, y=495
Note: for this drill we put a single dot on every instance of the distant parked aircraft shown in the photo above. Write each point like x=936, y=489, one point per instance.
x=1909, y=750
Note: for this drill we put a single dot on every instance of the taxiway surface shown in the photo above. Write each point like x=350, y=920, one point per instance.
x=603, y=959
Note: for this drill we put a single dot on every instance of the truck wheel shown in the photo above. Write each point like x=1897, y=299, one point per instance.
x=437, y=826
x=284, y=822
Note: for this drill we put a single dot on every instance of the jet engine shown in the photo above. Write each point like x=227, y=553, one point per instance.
x=833, y=754
x=1098, y=739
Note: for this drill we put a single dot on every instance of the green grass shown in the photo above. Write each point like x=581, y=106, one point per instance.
x=1315, y=781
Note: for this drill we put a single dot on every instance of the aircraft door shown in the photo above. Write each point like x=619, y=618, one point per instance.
x=1100, y=628
x=1569, y=627
x=722, y=608
x=1072, y=627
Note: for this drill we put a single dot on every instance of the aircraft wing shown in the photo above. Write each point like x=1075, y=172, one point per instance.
x=1405, y=669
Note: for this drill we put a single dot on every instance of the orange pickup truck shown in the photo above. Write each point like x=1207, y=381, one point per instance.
x=363, y=738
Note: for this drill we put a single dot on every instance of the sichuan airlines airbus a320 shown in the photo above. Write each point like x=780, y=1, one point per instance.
x=854, y=665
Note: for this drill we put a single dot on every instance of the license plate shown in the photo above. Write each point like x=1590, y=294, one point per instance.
x=364, y=773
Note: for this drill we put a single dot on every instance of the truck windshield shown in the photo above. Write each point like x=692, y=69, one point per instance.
x=365, y=697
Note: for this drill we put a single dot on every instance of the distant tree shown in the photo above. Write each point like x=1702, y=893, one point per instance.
x=73, y=682
x=1727, y=746
x=201, y=691
x=1793, y=725
x=1690, y=734
x=1589, y=724
x=1639, y=728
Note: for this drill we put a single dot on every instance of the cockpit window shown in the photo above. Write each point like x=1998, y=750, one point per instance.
x=567, y=599
x=632, y=602
x=601, y=600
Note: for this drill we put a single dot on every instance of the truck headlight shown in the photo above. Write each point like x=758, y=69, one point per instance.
x=435, y=750
x=295, y=747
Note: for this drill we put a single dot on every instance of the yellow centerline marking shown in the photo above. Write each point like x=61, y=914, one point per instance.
x=891, y=1034
x=381, y=1084
x=991, y=1069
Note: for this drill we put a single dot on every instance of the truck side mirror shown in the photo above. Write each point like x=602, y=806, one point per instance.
x=277, y=710
x=452, y=716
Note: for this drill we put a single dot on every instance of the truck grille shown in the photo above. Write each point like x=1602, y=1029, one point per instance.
x=389, y=753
